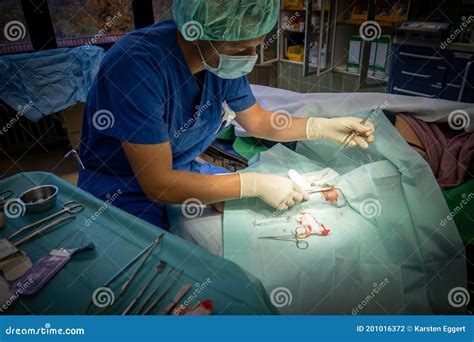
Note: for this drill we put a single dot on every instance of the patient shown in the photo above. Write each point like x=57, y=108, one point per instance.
x=447, y=151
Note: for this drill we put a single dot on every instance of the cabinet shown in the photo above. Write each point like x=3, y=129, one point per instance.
x=431, y=72
x=459, y=77
x=369, y=21
x=315, y=36
x=302, y=29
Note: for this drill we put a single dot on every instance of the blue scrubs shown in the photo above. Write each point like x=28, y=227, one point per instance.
x=145, y=94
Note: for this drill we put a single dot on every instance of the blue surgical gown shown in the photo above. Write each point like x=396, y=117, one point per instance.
x=145, y=93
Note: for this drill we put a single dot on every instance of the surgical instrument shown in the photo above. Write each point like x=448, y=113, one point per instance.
x=176, y=299
x=155, y=290
x=271, y=220
x=157, y=299
x=139, y=267
x=160, y=268
x=130, y=263
x=44, y=229
x=348, y=139
x=71, y=207
x=320, y=189
x=300, y=236
x=127, y=266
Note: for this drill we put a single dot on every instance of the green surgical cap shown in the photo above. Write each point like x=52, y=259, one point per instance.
x=225, y=20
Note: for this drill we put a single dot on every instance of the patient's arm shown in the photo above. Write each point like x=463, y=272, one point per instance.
x=409, y=135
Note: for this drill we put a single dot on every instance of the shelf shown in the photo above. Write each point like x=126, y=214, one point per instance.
x=303, y=10
x=342, y=69
x=350, y=23
x=293, y=32
x=298, y=63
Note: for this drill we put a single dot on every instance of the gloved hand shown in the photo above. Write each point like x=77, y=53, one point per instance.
x=338, y=129
x=279, y=192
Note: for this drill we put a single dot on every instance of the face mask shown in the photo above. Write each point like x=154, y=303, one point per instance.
x=230, y=67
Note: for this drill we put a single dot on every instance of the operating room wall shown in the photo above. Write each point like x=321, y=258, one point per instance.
x=265, y=75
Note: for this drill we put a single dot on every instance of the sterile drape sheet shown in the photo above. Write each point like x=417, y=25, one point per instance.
x=391, y=249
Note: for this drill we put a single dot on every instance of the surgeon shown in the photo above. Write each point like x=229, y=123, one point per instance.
x=157, y=104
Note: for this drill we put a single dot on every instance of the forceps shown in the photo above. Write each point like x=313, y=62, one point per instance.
x=348, y=139
x=71, y=207
x=299, y=238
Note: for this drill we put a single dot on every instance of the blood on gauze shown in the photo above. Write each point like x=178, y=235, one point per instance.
x=308, y=221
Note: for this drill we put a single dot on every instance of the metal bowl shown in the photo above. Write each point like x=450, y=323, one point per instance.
x=40, y=198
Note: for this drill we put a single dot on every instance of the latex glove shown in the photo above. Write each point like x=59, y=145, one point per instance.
x=338, y=129
x=279, y=192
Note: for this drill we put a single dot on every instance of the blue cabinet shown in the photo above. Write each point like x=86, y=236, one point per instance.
x=459, y=77
x=431, y=73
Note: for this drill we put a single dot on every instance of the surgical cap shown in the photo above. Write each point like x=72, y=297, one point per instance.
x=225, y=20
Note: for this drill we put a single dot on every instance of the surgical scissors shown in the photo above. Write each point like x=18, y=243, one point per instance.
x=70, y=207
x=300, y=236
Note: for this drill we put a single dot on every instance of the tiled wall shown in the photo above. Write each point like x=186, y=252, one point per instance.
x=290, y=77
x=266, y=75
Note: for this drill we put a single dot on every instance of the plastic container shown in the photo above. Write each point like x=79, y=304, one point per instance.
x=293, y=4
x=296, y=53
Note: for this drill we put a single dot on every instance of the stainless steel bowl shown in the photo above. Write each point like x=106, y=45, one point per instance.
x=40, y=198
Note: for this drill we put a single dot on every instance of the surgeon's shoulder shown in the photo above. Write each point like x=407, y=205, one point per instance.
x=141, y=48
